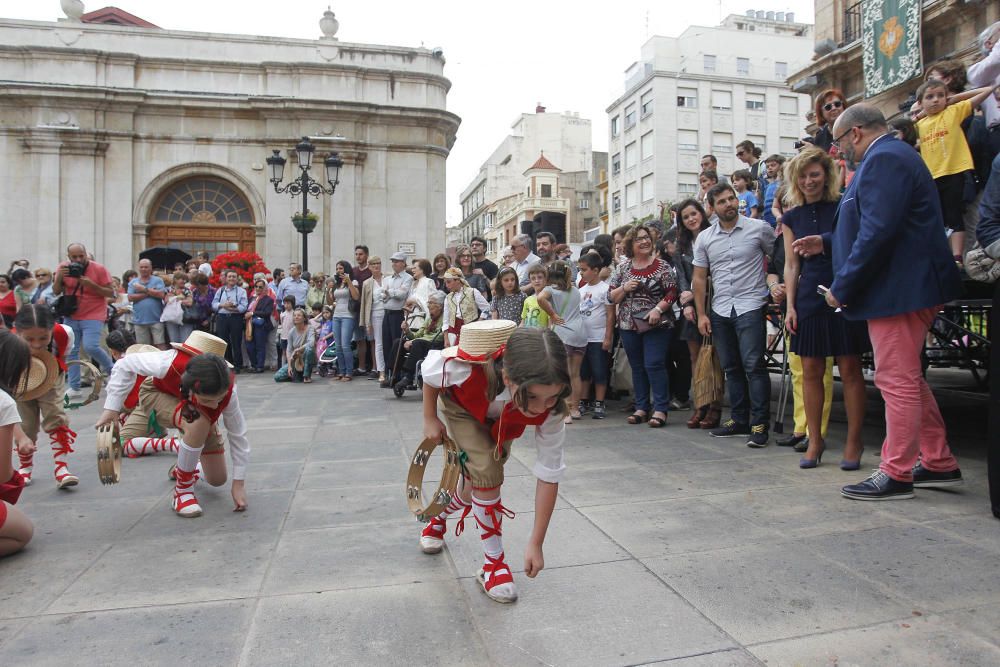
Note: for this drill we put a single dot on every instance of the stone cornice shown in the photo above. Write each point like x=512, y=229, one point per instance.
x=64, y=141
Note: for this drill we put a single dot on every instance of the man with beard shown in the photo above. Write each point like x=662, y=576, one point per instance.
x=735, y=252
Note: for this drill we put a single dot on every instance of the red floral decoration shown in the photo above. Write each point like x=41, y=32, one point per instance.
x=246, y=264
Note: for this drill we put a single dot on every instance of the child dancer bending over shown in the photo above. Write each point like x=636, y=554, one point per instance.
x=15, y=528
x=497, y=381
x=37, y=326
x=119, y=343
x=188, y=388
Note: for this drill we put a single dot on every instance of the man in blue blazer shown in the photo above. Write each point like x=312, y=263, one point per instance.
x=892, y=267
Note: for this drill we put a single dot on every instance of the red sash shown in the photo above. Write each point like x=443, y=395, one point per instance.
x=132, y=400
x=471, y=396
x=171, y=384
x=11, y=489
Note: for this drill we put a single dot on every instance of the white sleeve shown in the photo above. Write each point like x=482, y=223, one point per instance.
x=239, y=445
x=149, y=364
x=432, y=371
x=986, y=72
x=549, y=438
x=481, y=303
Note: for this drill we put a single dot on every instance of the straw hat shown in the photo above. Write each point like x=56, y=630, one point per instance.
x=478, y=342
x=140, y=348
x=199, y=342
x=41, y=375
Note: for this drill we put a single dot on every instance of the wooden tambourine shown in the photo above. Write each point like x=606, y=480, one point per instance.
x=95, y=389
x=109, y=454
x=449, y=479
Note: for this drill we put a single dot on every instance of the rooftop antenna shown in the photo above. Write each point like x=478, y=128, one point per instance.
x=647, y=23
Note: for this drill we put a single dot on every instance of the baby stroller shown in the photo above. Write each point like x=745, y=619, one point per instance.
x=327, y=361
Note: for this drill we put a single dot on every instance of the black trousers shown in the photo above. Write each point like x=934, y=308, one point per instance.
x=230, y=329
x=993, y=443
x=392, y=330
x=417, y=352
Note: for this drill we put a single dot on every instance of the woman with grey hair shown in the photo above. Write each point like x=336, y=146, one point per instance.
x=419, y=343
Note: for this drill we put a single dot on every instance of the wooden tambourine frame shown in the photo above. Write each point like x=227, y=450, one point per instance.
x=109, y=454
x=95, y=389
x=441, y=498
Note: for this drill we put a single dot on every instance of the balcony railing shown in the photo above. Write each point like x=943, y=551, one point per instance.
x=852, y=23
x=525, y=203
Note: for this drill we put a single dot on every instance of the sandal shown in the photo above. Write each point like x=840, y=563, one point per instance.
x=637, y=417
x=307, y=380
x=657, y=422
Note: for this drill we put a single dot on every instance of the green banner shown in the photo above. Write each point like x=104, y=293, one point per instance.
x=890, y=43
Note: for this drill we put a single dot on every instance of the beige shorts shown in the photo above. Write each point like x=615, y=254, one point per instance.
x=473, y=438
x=48, y=407
x=154, y=402
x=150, y=334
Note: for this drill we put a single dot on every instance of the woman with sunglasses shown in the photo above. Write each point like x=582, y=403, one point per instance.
x=43, y=287
x=829, y=105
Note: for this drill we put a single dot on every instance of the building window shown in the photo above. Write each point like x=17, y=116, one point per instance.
x=616, y=202
x=647, y=188
x=743, y=67
x=709, y=64
x=758, y=142
x=583, y=203
x=630, y=195
x=687, y=183
x=788, y=106
x=590, y=234
x=687, y=98
x=614, y=126
x=788, y=146
x=780, y=70
x=755, y=101
x=546, y=190
x=630, y=155
x=687, y=140
x=646, y=146
x=616, y=164
x=646, y=103
x=722, y=142
x=722, y=100
x=630, y=116
x=489, y=220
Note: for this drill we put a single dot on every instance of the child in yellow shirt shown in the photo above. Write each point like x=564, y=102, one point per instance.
x=532, y=315
x=945, y=150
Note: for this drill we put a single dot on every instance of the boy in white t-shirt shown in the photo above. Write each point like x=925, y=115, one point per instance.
x=599, y=323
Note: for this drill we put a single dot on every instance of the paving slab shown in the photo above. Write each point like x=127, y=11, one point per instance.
x=196, y=634
x=413, y=624
x=31, y=580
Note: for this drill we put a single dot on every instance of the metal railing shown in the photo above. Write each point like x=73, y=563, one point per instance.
x=852, y=23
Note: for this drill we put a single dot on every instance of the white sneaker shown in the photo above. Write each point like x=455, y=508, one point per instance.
x=75, y=394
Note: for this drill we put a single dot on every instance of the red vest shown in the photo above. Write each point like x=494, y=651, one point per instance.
x=60, y=345
x=471, y=395
x=171, y=384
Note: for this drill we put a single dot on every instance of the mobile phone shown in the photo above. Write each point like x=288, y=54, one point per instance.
x=822, y=290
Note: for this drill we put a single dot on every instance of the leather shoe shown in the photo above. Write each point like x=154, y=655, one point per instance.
x=928, y=479
x=878, y=487
x=791, y=440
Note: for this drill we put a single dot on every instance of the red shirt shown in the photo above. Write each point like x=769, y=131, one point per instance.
x=8, y=305
x=93, y=306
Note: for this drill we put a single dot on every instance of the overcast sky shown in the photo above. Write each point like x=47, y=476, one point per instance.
x=502, y=57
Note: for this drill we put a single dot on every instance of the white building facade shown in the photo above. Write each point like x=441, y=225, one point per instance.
x=125, y=137
x=565, y=141
x=702, y=92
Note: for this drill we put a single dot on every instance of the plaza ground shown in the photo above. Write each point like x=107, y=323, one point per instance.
x=665, y=546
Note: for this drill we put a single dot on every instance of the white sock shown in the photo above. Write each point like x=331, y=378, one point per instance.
x=143, y=446
x=489, y=520
x=187, y=457
x=456, y=505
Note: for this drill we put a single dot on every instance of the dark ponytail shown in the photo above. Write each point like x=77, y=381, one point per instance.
x=119, y=340
x=34, y=316
x=206, y=374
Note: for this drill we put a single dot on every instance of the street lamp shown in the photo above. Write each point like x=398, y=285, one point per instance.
x=304, y=185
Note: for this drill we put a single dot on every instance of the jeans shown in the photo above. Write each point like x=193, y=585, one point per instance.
x=258, y=344
x=647, y=355
x=87, y=333
x=178, y=333
x=230, y=328
x=740, y=341
x=595, y=364
x=343, y=333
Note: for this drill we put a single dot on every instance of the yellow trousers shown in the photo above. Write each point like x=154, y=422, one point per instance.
x=795, y=366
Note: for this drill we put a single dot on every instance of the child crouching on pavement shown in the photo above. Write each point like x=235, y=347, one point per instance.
x=189, y=388
x=497, y=381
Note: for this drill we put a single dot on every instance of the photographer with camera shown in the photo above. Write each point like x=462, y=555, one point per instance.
x=83, y=287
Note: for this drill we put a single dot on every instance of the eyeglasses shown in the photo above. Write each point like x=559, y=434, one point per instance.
x=836, y=142
x=830, y=106
x=41, y=275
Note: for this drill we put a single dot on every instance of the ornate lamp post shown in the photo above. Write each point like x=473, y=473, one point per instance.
x=304, y=185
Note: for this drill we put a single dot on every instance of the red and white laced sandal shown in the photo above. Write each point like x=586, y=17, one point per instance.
x=62, y=440
x=497, y=580
x=185, y=503
x=432, y=536
x=25, y=466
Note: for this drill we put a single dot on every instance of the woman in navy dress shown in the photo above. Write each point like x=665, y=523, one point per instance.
x=817, y=330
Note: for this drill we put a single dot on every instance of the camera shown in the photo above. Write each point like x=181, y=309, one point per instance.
x=75, y=269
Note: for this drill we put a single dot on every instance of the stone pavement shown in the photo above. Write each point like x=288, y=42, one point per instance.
x=666, y=546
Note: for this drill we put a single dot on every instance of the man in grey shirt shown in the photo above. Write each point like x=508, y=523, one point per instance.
x=293, y=286
x=397, y=288
x=735, y=252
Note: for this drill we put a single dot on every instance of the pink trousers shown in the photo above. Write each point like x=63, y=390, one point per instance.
x=913, y=424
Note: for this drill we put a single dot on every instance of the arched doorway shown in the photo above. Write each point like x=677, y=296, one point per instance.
x=203, y=213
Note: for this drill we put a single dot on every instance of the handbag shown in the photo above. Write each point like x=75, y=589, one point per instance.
x=65, y=305
x=980, y=266
x=191, y=314
x=708, y=382
x=641, y=322
x=621, y=371
x=173, y=312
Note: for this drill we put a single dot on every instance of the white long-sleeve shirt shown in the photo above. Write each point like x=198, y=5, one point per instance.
x=157, y=364
x=984, y=73
x=550, y=435
x=482, y=305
